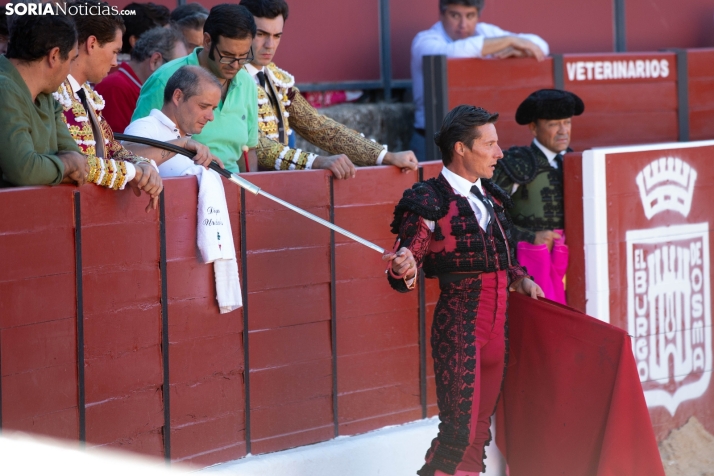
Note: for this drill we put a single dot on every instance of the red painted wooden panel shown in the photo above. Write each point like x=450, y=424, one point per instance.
x=368, y=370
x=220, y=455
x=289, y=345
x=373, y=320
x=38, y=346
x=377, y=332
x=194, y=360
x=431, y=168
x=21, y=306
x=150, y=443
x=625, y=215
x=392, y=400
x=290, y=425
x=351, y=302
x=38, y=392
x=700, y=65
x=481, y=82
x=37, y=299
x=209, y=441
x=124, y=418
x=623, y=111
x=62, y=424
x=214, y=397
x=380, y=421
x=656, y=24
x=573, y=200
x=199, y=318
x=600, y=130
x=275, y=308
x=121, y=282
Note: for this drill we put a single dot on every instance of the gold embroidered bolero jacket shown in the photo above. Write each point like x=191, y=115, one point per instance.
x=109, y=171
x=300, y=116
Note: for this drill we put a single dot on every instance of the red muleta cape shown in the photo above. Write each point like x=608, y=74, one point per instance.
x=572, y=402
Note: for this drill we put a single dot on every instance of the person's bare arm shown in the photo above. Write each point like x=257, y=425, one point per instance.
x=508, y=46
x=405, y=160
x=340, y=165
x=252, y=159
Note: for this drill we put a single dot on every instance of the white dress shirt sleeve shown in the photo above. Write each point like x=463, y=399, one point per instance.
x=432, y=43
x=492, y=31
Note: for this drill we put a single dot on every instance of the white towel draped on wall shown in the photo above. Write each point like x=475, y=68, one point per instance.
x=215, y=238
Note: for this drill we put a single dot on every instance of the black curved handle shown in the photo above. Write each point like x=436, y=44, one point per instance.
x=173, y=148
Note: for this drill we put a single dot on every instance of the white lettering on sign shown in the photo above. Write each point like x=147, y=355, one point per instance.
x=666, y=184
x=625, y=69
x=669, y=291
x=669, y=312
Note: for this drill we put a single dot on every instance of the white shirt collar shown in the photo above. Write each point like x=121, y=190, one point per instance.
x=252, y=70
x=549, y=154
x=460, y=184
x=163, y=119
x=73, y=82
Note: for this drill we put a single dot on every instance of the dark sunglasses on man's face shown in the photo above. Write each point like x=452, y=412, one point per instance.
x=230, y=59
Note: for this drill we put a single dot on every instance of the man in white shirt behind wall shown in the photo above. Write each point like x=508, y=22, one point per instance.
x=459, y=34
x=190, y=97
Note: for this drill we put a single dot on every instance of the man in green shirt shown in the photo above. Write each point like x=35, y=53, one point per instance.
x=227, y=38
x=35, y=145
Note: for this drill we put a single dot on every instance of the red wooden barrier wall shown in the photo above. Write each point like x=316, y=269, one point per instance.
x=700, y=65
x=291, y=296
x=635, y=105
x=626, y=110
x=499, y=86
x=613, y=208
x=289, y=312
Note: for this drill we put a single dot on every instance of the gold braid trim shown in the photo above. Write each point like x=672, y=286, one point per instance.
x=330, y=135
x=273, y=155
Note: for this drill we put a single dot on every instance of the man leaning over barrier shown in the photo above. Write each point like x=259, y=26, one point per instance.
x=227, y=38
x=111, y=165
x=460, y=34
x=35, y=145
x=282, y=110
x=190, y=97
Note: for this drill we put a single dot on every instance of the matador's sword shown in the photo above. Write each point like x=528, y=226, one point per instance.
x=254, y=189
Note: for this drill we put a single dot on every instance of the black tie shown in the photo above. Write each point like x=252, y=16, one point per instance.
x=261, y=79
x=94, y=122
x=270, y=92
x=487, y=203
x=559, y=160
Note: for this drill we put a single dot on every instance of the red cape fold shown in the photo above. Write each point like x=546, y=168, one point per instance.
x=572, y=402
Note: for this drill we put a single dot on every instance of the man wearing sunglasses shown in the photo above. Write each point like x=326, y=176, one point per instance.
x=227, y=38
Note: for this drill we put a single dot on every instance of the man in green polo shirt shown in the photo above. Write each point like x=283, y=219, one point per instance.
x=227, y=38
x=35, y=145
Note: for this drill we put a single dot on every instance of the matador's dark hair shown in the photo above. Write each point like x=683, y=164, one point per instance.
x=460, y=125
